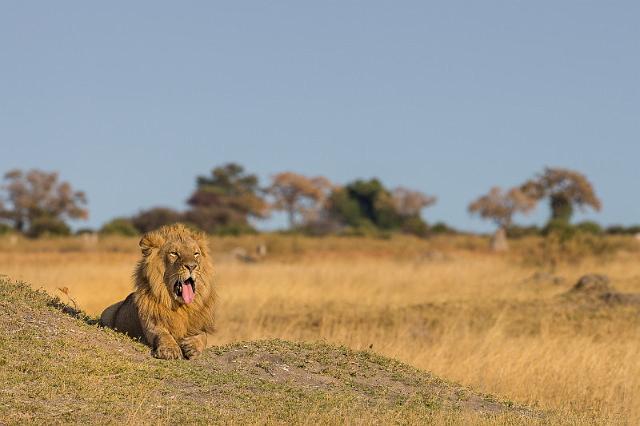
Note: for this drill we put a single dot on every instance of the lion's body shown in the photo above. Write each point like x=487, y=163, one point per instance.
x=172, y=326
x=123, y=316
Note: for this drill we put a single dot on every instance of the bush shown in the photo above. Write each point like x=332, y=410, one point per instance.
x=566, y=231
x=559, y=228
x=83, y=231
x=216, y=221
x=5, y=229
x=119, y=226
x=320, y=227
x=633, y=230
x=48, y=226
x=515, y=231
x=622, y=230
x=415, y=226
x=149, y=220
x=589, y=227
x=442, y=228
x=235, y=230
x=365, y=229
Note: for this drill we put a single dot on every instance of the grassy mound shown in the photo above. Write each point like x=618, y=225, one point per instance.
x=57, y=368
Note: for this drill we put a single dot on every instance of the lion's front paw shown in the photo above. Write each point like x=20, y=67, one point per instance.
x=192, y=346
x=167, y=351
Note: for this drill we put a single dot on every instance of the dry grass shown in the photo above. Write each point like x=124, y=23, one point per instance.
x=445, y=306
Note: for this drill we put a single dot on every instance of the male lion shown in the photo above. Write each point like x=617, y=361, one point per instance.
x=172, y=306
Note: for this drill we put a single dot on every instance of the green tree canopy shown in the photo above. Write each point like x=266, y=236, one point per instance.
x=154, y=218
x=368, y=204
x=226, y=200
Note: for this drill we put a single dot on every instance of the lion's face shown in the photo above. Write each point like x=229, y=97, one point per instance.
x=176, y=265
x=182, y=269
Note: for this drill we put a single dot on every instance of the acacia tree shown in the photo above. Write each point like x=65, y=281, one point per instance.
x=36, y=202
x=226, y=200
x=500, y=207
x=299, y=196
x=565, y=189
x=410, y=203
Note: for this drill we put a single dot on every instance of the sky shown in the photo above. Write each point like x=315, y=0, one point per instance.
x=130, y=101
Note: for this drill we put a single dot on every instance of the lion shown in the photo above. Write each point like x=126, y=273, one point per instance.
x=172, y=307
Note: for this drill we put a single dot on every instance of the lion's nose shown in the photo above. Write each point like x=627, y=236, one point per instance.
x=191, y=266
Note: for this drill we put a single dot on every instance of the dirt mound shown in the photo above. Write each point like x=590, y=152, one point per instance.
x=598, y=288
x=592, y=284
x=58, y=368
x=541, y=277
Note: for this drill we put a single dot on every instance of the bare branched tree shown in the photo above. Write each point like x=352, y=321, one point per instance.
x=37, y=195
x=409, y=203
x=301, y=197
x=500, y=207
x=565, y=189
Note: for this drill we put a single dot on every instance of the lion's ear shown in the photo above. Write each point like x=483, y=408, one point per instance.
x=149, y=242
x=203, y=241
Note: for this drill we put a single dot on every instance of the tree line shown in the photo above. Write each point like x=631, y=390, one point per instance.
x=229, y=200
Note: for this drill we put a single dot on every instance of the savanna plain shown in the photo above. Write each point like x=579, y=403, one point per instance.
x=508, y=323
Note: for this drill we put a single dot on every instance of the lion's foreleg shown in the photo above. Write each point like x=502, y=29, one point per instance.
x=192, y=346
x=163, y=345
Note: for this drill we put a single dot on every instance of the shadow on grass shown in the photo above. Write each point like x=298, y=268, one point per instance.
x=73, y=311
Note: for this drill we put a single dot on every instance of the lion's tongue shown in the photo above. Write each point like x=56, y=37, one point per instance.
x=187, y=293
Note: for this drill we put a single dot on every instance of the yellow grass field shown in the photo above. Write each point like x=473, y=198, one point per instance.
x=496, y=322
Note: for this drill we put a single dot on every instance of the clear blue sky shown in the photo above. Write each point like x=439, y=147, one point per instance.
x=131, y=100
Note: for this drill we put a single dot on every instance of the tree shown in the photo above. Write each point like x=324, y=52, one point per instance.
x=154, y=218
x=565, y=189
x=410, y=203
x=37, y=202
x=500, y=207
x=299, y=196
x=366, y=204
x=225, y=201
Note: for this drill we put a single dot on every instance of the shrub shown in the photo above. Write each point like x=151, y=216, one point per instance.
x=217, y=221
x=5, y=229
x=46, y=225
x=149, y=220
x=415, y=226
x=442, y=228
x=559, y=228
x=119, y=226
x=589, y=227
x=515, y=231
x=83, y=231
x=622, y=230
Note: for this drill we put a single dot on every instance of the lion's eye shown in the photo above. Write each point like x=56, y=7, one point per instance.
x=196, y=254
x=173, y=254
